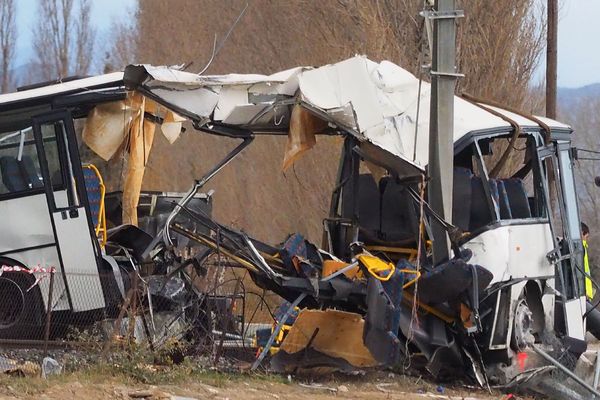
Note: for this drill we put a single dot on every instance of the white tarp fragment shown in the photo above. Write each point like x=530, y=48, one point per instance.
x=301, y=137
x=108, y=124
x=122, y=124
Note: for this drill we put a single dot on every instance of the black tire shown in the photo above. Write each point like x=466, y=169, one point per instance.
x=593, y=321
x=21, y=310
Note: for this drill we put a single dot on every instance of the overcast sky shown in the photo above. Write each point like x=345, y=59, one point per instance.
x=578, y=32
x=578, y=43
x=104, y=12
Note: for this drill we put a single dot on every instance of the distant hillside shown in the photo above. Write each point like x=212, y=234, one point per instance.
x=24, y=74
x=567, y=97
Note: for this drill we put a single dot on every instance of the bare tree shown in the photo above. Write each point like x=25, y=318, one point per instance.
x=84, y=39
x=8, y=37
x=123, y=46
x=582, y=113
x=63, y=38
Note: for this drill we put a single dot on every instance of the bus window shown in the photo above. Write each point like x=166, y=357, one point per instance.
x=19, y=164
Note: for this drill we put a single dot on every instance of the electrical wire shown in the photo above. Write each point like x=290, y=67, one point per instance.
x=588, y=150
x=415, y=307
x=588, y=159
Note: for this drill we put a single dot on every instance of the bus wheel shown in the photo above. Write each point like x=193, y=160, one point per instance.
x=20, y=309
x=523, y=326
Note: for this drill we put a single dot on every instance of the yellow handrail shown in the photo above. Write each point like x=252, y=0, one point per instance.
x=376, y=266
x=100, y=227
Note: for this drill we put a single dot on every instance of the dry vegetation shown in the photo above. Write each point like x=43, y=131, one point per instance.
x=8, y=37
x=583, y=115
x=64, y=39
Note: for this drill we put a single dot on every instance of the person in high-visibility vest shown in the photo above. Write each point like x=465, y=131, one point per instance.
x=589, y=288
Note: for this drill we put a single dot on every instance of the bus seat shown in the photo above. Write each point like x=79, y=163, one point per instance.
x=481, y=214
x=28, y=168
x=11, y=174
x=399, y=221
x=517, y=198
x=505, y=212
x=498, y=192
x=94, y=186
x=461, y=198
x=368, y=205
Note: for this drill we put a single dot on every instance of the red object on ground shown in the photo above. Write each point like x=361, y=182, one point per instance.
x=521, y=358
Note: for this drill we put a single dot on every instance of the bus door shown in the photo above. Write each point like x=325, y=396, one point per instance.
x=76, y=243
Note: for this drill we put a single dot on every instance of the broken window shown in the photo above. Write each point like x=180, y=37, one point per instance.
x=19, y=165
x=484, y=195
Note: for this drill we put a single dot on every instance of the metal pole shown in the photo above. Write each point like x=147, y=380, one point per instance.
x=275, y=333
x=551, y=58
x=441, y=126
x=48, y=313
x=132, y=317
x=597, y=370
x=564, y=369
x=117, y=327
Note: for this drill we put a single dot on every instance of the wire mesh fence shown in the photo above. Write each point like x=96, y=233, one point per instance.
x=214, y=316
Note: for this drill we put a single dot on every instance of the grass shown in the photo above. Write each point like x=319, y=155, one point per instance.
x=130, y=374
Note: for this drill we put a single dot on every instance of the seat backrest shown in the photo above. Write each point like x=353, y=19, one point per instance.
x=94, y=194
x=461, y=197
x=29, y=171
x=12, y=176
x=517, y=198
x=368, y=203
x=398, y=214
x=505, y=212
x=481, y=214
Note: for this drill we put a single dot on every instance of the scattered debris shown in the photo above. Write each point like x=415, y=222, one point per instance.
x=50, y=367
x=17, y=368
x=152, y=394
x=318, y=386
x=210, y=389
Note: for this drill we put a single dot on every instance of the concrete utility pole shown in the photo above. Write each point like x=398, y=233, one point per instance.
x=551, y=58
x=441, y=125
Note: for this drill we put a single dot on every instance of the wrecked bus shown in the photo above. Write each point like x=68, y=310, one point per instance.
x=57, y=216
x=515, y=279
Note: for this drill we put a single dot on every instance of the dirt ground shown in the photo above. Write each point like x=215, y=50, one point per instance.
x=210, y=385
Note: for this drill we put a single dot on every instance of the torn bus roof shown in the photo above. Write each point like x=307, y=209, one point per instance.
x=112, y=80
x=377, y=102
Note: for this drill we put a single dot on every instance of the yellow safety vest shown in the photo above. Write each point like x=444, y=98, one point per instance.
x=589, y=289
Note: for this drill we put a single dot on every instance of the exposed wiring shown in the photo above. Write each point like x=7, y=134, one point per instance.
x=216, y=49
x=415, y=307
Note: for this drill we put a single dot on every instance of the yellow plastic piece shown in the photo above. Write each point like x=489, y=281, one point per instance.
x=100, y=227
x=331, y=266
x=376, y=267
x=340, y=335
x=411, y=253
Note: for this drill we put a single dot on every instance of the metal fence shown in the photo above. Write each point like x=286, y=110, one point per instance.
x=214, y=315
